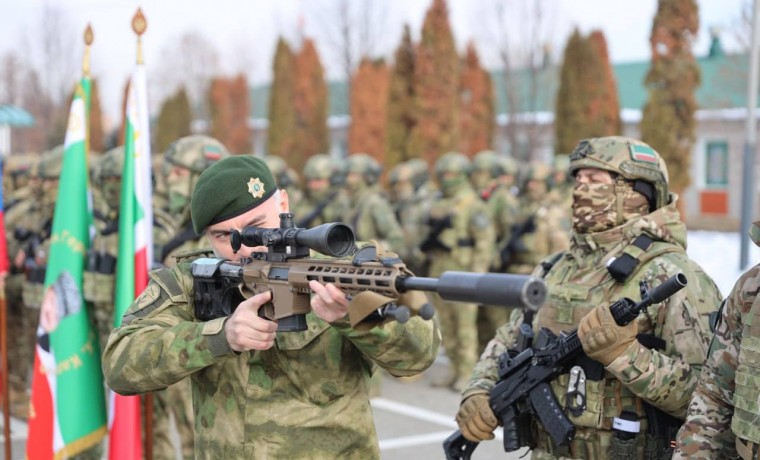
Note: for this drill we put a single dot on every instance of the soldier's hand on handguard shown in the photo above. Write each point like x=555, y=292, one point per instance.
x=246, y=330
x=602, y=339
x=476, y=419
x=328, y=302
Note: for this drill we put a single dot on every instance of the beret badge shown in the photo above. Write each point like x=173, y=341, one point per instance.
x=256, y=188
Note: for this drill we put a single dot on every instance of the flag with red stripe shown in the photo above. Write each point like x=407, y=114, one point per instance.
x=135, y=253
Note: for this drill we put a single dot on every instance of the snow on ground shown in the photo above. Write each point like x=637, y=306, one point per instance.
x=718, y=254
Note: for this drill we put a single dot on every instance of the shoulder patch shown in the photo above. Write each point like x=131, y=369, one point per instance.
x=143, y=304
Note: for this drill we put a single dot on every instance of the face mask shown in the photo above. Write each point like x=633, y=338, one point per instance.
x=177, y=202
x=595, y=207
x=450, y=186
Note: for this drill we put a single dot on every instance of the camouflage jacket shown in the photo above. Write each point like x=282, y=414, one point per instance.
x=551, y=228
x=579, y=281
x=470, y=237
x=306, y=397
x=372, y=218
x=708, y=433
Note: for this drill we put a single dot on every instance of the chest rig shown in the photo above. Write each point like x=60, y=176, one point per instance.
x=594, y=400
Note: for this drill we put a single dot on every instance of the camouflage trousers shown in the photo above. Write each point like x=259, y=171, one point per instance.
x=176, y=400
x=460, y=334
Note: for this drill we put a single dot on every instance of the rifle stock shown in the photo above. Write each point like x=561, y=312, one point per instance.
x=523, y=388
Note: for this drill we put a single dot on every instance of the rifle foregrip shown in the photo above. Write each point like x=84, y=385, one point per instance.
x=549, y=412
x=456, y=447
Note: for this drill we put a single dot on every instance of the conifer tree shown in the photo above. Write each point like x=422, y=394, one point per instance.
x=239, y=133
x=369, y=109
x=668, y=121
x=610, y=111
x=311, y=105
x=436, y=88
x=476, y=125
x=173, y=120
x=401, y=101
x=587, y=103
x=281, y=102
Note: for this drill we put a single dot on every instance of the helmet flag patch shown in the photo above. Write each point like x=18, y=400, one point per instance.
x=643, y=153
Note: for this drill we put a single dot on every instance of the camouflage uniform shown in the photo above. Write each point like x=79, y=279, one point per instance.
x=193, y=154
x=461, y=237
x=561, y=183
x=411, y=206
x=493, y=176
x=579, y=281
x=305, y=397
x=722, y=419
x=325, y=203
x=32, y=226
x=19, y=230
x=541, y=229
x=99, y=280
x=370, y=214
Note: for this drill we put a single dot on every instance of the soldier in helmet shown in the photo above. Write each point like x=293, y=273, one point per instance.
x=411, y=205
x=541, y=227
x=493, y=177
x=184, y=160
x=369, y=213
x=21, y=175
x=637, y=379
x=99, y=280
x=460, y=237
x=561, y=182
x=31, y=222
x=285, y=176
x=323, y=198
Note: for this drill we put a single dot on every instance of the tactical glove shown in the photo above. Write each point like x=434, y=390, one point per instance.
x=601, y=337
x=476, y=419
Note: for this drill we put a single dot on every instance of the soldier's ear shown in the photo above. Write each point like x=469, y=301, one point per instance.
x=284, y=202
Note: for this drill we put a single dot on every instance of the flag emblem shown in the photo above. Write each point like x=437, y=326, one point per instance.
x=643, y=153
x=256, y=187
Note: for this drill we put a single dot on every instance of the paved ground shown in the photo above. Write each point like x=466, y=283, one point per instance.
x=412, y=420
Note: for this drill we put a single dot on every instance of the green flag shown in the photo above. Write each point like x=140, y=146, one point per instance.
x=68, y=401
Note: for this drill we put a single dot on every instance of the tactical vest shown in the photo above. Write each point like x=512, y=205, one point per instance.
x=744, y=423
x=571, y=295
x=457, y=235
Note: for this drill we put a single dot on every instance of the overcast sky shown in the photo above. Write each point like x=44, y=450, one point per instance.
x=244, y=31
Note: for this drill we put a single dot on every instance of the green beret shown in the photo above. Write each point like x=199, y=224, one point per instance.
x=230, y=187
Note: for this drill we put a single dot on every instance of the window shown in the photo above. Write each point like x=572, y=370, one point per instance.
x=716, y=164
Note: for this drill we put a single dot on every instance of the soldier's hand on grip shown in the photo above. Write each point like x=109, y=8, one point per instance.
x=602, y=339
x=476, y=419
x=246, y=330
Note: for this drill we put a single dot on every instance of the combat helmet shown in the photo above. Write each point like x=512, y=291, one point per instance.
x=109, y=165
x=453, y=162
x=629, y=158
x=365, y=165
x=51, y=164
x=421, y=171
x=321, y=166
x=283, y=175
x=487, y=161
x=196, y=152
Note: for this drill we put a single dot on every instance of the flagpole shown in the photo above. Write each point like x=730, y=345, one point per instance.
x=139, y=25
x=4, y=345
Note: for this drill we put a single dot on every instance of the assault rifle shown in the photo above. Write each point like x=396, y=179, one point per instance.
x=523, y=390
x=378, y=283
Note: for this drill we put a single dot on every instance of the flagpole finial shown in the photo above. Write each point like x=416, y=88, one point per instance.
x=139, y=25
x=89, y=36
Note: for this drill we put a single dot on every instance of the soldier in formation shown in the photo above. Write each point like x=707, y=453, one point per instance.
x=626, y=230
x=324, y=199
x=460, y=237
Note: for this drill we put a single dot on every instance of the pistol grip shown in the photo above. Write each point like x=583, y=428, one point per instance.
x=457, y=447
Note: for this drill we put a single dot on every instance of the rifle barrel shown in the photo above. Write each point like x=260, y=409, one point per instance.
x=505, y=290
